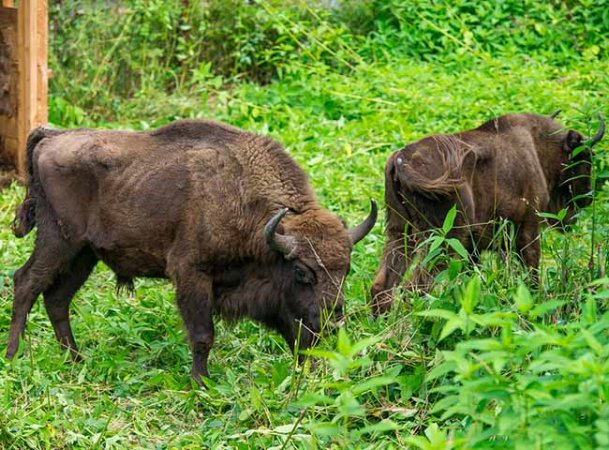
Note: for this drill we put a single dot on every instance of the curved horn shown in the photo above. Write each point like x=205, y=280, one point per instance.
x=278, y=242
x=600, y=133
x=555, y=114
x=359, y=232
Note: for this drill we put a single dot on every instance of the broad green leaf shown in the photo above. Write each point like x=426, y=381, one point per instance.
x=451, y=326
x=481, y=345
x=256, y=398
x=348, y=406
x=371, y=384
x=593, y=342
x=440, y=370
x=380, y=427
x=343, y=343
x=441, y=313
x=418, y=441
x=523, y=299
x=449, y=220
x=324, y=428
x=245, y=414
x=364, y=344
x=437, y=438
x=546, y=307
x=309, y=399
x=590, y=315
x=436, y=242
x=470, y=297
x=445, y=403
x=457, y=246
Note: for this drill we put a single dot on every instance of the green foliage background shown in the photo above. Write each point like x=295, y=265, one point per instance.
x=482, y=361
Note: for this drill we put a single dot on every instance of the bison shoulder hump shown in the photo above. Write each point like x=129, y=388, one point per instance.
x=197, y=130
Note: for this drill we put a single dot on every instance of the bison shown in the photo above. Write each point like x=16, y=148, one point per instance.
x=511, y=167
x=226, y=215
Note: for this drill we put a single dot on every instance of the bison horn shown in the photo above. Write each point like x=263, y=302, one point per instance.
x=278, y=242
x=359, y=232
x=555, y=114
x=600, y=133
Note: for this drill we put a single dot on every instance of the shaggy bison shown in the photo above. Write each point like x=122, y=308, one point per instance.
x=511, y=167
x=226, y=215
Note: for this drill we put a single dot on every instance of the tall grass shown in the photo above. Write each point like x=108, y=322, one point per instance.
x=483, y=360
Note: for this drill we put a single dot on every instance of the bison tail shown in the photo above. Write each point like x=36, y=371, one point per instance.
x=449, y=177
x=25, y=216
x=444, y=186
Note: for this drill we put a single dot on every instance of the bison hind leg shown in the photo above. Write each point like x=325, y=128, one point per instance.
x=51, y=256
x=529, y=246
x=58, y=297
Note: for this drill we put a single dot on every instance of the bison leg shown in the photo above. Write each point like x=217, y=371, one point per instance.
x=194, y=298
x=390, y=272
x=49, y=258
x=528, y=246
x=58, y=297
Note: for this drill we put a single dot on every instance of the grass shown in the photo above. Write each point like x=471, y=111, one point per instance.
x=375, y=384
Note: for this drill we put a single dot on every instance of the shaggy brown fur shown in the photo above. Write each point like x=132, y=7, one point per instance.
x=511, y=167
x=189, y=202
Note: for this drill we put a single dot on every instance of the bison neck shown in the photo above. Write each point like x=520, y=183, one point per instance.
x=252, y=289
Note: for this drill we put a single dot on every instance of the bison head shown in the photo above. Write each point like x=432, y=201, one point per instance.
x=315, y=248
x=574, y=187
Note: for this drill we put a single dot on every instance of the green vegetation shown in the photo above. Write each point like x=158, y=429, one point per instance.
x=482, y=361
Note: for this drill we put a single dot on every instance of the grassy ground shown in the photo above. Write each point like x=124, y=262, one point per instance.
x=378, y=384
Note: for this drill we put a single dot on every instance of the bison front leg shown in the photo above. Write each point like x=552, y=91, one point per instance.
x=390, y=272
x=194, y=298
x=529, y=247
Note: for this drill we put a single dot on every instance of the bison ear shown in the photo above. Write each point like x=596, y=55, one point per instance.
x=391, y=170
x=573, y=140
x=392, y=183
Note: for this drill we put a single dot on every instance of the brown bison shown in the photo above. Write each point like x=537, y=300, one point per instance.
x=512, y=167
x=226, y=215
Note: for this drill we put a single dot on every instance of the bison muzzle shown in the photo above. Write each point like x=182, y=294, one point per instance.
x=512, y=167
x=226, y=215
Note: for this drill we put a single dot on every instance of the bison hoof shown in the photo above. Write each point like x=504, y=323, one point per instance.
x=381, y=303
x=199, y=379
x=76, y=357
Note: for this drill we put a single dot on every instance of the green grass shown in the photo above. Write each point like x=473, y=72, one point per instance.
x=507, y=369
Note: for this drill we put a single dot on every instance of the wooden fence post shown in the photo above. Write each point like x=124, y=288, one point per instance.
x=33, y=54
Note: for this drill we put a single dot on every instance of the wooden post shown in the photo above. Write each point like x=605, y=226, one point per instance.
x=9, y=87
x=23, y=77
x=33, y=91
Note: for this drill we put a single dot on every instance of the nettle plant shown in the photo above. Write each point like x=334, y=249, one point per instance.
x=347, y=405
x=520, y=382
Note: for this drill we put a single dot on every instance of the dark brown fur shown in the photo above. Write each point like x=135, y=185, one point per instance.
x=188, y=202
x=511, y=167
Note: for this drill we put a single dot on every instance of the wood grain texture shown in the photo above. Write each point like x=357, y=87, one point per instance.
x=32, y=43
x=9, y=87
x=23, y=76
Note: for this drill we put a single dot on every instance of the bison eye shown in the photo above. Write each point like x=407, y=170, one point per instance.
x=303, y=275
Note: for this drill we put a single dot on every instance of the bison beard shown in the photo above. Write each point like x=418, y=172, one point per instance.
x=511, y=168
x=226, y=215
